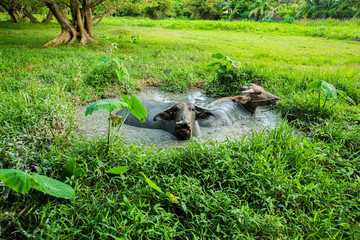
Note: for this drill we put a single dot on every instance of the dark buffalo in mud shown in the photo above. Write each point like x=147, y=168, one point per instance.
x=251, y=98
x=180, y=119
x=184, y=115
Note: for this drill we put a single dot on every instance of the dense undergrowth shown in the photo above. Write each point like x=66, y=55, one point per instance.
x=278, y=184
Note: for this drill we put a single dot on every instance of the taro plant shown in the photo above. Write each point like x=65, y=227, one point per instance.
x=22, y=182
x=331, y=93
x=223, y=67
x=134, y=38
x=134, y=106
x=121, y=69
x=71, y=171
x=123, y=76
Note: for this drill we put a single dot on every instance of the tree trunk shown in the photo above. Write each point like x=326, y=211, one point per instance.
x=48, y=18
x=77, y=28
x=27, y=13
x=101, y=16
x=68, y=32
x=12, y=10
x=87, y=18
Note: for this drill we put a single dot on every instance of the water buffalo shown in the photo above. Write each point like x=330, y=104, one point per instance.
x=184, y=115
x=180, y=119
x=251, y=98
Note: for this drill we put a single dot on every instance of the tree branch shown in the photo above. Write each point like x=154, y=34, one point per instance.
x=96, y=2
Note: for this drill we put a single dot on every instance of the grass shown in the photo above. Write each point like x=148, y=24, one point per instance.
x=277, y=184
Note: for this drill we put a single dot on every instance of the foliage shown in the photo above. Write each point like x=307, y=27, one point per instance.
x=22, y=182
x=159, y=8
x=330, y=8
x=109, y=71
x=222, y=67
x=135, y=107
x=118, y=170
x=106, y=105
x=177, y=81
x=240, y=9
x=70, y=170
x=331, y=93
x=288, y=11
x=227, y=83
x=132, y=104
x=260, y=9
x=203, y=9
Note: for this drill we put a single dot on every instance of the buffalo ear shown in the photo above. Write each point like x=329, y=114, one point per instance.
x=241, y=99
x=203, y=115
x=164, y=116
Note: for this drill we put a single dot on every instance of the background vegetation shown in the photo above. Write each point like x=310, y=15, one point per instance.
x=300, y=180
x=261, y=10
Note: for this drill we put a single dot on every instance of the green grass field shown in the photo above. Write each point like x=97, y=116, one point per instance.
x=285, y=183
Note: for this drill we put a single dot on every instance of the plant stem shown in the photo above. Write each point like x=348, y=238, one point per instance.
x=323, y=106
x=109, y=129
x=319, y=100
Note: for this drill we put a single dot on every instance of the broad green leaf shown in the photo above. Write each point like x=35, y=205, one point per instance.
x=135, y=107
x=118, y=170
x=53, y=187
x=71, y=170
x=346, y=97
x=18, y=180
x=105, y=105
x=330, y=90
x=218, y=55
x=152, y=184
x=213, y=64
x=314, y=85
x=222, y=69
x=102, y=60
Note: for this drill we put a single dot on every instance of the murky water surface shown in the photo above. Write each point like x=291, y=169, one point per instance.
x=231, y=121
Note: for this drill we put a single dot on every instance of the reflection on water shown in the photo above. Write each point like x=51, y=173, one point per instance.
x=231, y=121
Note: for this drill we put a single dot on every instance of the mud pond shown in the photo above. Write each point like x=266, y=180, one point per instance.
x=232, y=122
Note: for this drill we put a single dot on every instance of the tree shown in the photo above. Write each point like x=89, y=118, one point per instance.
x=159, y=8
x=21, y=9
x=81, y=25
x=260, y=8
x=204, y=9
x=240, y=8
x=317, y=8
x=13, y=9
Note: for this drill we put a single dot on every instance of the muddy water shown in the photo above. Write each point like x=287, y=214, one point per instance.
x=230, y=121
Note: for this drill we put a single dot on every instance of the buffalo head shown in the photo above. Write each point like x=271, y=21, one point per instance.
x=184, y=115
x=252, y=97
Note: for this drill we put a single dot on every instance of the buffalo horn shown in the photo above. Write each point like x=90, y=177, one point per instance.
x=243, y=88
x=248, y=91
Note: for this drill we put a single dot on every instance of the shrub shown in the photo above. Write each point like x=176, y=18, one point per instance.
x=103, y=75
x=227, y=83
